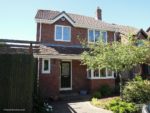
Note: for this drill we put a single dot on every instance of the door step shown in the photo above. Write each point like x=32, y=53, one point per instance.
x=73, y=96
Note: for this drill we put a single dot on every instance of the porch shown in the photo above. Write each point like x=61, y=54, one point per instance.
x=60, y=69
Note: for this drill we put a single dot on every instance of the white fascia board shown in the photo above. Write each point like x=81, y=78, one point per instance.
x=53, y=21
x=59, y=57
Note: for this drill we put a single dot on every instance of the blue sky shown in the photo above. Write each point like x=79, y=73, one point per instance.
x=17, y=16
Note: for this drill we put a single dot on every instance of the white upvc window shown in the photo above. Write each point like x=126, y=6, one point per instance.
x=45, y=65
x=96, y=35
x=100, y=74
x=115, y=38
x=62, y=33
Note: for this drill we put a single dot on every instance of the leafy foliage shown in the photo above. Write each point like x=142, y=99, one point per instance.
x=115, y=56
x=119, y=106
x=95, y=102
x=96, y=94
x=137, y=91
x=101, y=102
x=105, y=90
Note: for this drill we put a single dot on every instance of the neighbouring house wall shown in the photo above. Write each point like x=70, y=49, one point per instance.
x=48, y=33
x=95, y=84
x=79, y=76
x=49, y=83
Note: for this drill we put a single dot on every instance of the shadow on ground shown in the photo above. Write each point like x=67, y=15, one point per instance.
x=68, y=106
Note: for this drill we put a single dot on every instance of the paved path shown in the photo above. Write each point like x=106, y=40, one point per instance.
x=76, y=107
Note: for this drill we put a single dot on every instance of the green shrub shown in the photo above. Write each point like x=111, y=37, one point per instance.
x=101, y=102
x=95, y=102
x=116, y=90
x=118, y=106
x=137, y=91
x=96, y=95
x=105, y=90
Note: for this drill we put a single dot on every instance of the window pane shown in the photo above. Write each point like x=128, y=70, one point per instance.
x=58, y=33
x=109, y=73
x=91, y=36
x=65, y=69
x=140, y=43
x=97, y=35
x=96, y=73
x=104, y=37
x=46, y=66
x=103, y=73
x=66, y=33
x=89, y=73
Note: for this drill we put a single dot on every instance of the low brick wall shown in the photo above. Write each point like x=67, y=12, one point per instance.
x=95, y=84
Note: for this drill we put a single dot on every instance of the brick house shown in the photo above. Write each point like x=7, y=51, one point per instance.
x=59, y=67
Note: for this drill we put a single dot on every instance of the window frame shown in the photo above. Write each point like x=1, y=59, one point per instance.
x=49, y=66
x=99, y=77
x=94, y=30
x=62, y=37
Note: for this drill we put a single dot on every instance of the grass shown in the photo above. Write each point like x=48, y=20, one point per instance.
x=102, y=102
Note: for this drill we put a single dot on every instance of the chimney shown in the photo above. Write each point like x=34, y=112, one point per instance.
x=98, y=14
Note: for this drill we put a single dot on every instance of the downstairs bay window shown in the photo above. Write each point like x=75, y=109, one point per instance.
x=100, y=74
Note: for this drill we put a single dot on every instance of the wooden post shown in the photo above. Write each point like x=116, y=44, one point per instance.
x=30, y=49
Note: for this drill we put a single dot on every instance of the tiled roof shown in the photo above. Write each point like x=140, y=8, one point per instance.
x=148, y=33
x=60, y=50
x=84, y=21
x=126, y=29
x=87, y=22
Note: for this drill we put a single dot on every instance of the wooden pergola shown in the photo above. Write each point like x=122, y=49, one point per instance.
x=20, y=44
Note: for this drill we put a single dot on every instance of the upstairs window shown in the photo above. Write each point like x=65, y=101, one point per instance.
x=100, y=74
x=96, y=35
x=62, y=33
x=45, y=66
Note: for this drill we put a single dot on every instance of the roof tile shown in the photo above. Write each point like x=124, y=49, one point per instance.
x=87, y=22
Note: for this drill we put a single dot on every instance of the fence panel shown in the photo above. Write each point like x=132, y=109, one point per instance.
x=16, y=82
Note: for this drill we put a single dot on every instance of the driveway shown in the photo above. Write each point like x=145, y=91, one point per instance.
x=76, y=107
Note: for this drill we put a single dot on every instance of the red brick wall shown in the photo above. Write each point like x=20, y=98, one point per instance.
x=141, y=36
x=79, y=76
x=48, y=30
x=110, y=35
x=95, y=84
x=37, y=32
x=49, y=83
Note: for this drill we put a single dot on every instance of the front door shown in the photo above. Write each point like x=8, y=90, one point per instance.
x=65, y=82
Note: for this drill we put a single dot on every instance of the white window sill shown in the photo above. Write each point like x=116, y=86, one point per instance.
x=100, y=78
x=45, y=72
x=63, y=40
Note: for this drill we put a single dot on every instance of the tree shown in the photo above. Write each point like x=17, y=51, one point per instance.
x=117, y=56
